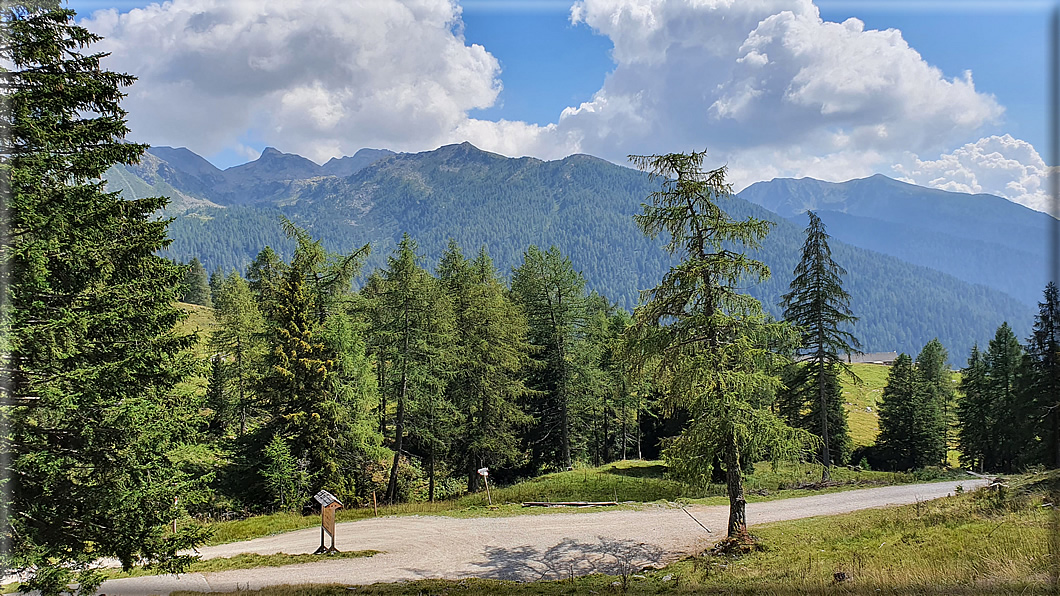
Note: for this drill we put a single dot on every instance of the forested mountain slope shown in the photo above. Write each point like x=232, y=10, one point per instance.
x=977, y=238
x=583, y=205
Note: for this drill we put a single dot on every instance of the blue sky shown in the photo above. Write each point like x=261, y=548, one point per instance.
x=763, y=94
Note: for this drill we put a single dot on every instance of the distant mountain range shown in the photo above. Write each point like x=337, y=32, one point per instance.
x=922, y=263
x=980, y=238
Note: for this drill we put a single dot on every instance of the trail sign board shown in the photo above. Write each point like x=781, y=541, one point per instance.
x=328, y=505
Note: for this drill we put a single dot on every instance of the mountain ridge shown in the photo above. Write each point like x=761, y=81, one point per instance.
x=582, y=204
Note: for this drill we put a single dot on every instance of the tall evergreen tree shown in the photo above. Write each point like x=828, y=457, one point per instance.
x=196, y=286
x=90, y=353
x=933, y=372
x=416, y=336
x=911, y=434
x=819, y=306
x=239, y=336
x=975, y=416
x=710, y=342
x=1010, y=413
x=553, y=296
x=492, y=351
x=898, y=411
x=1043, y=348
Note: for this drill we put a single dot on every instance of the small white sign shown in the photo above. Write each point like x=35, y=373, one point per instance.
x=483, y=472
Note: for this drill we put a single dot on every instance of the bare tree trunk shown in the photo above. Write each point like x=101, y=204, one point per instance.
x=640, y=455
x=734, y=484
x=826, y=458
x=430, y=476
x=399, y=426
x=625, y=438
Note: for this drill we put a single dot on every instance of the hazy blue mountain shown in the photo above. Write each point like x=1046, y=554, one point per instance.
x=274, y=177
x=584, y=205
x=977, y=238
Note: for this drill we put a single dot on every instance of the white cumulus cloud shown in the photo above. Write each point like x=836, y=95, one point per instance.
x=765, y=86
x=997, y=165
x=754, y=78
x=316, y=78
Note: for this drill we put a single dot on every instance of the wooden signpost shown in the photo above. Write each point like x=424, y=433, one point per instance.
x=328, y=505
x=485, y=473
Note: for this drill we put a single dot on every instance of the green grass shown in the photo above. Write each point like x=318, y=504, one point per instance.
x=861, y=401
x=971, y=543
x=200, y=320
x=632, y=483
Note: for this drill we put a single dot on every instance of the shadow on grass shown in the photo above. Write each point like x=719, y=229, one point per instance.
x=652, y=471
x=567, y=559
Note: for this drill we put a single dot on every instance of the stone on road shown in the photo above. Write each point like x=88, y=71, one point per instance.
x=527, y=547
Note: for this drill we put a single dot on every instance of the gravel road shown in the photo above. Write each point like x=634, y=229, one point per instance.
x=526, y=547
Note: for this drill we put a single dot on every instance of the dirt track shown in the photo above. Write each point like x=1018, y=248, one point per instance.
x=525, y=547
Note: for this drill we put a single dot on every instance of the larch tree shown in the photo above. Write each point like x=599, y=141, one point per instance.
x=239, y=337
x=709, y=344
x=820, y=308
x=491, y=353
x=414, y=337
x=552, y=294
x=90, y=355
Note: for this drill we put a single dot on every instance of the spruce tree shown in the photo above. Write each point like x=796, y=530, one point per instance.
x=820, y=308
x=1043, y=348
x=90, y=353
x=314, y=382
x=898, y=413
x=933, y=373
x=911, y=430
x=1006, y=376
x=706, y=342
x=975, y=416
x=196, y=286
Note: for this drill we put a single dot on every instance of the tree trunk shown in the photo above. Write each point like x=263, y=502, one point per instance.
x=826, y=458
x=242, y=390
x=563, y=411
x=734, y=484
x=640, y=455
x=430, y=476
x=1056, y=434
x=624, y=437
x=399, y=429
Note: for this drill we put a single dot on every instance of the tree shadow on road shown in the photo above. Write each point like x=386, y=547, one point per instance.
x=569, y=558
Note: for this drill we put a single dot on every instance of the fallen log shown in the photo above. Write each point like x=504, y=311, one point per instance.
x=570, y=504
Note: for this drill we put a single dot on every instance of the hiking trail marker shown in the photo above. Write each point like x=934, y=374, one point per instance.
x=328, y=505
x=485, y=473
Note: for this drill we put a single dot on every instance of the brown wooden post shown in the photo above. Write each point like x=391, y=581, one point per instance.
x=328, y=505
x=485, y=472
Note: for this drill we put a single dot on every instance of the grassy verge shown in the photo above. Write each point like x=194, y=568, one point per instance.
x=972, y=543
x=632, y=483
x=242, y=561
